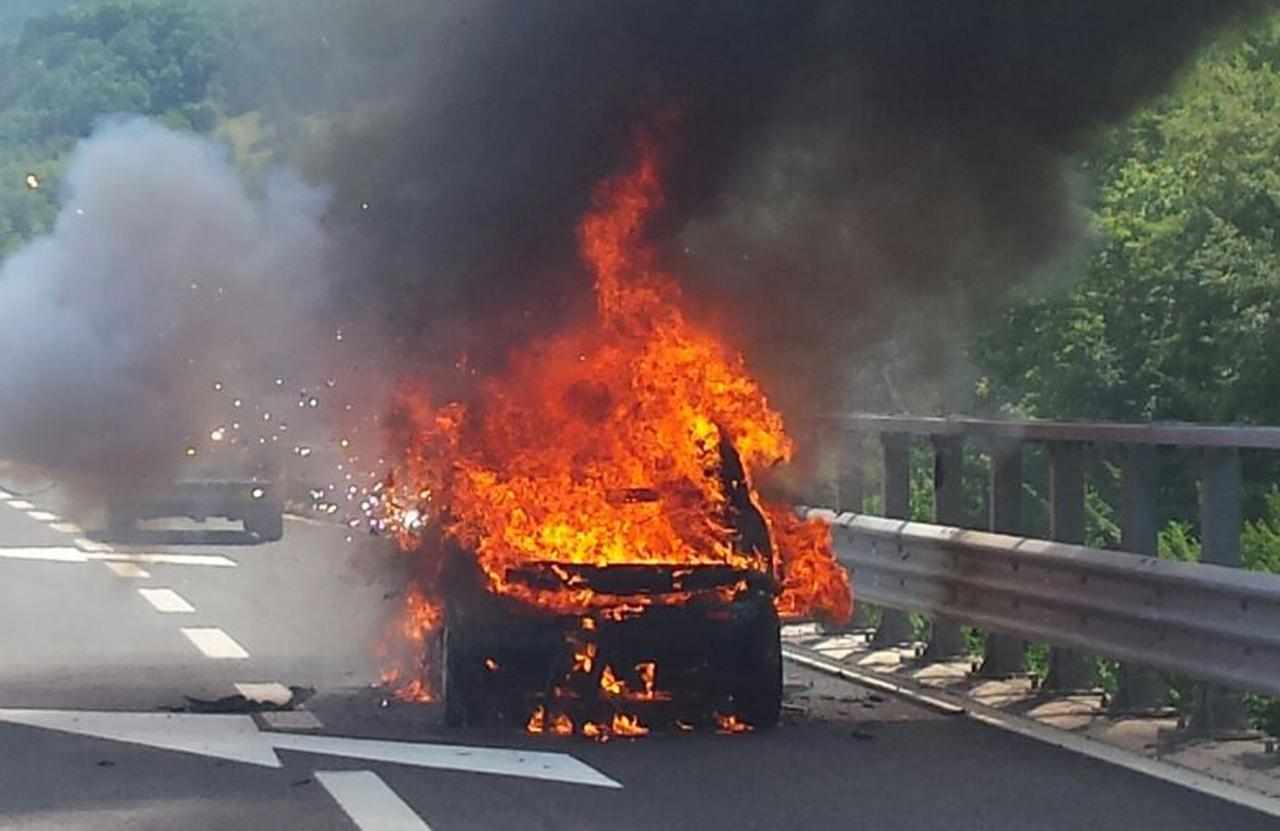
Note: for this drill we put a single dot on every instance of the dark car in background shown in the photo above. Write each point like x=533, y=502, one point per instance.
x=228, y=487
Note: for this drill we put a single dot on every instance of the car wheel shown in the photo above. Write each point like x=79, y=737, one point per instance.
x=757, y=695
x=454, y=678
x=121, y=523
x=267, y=525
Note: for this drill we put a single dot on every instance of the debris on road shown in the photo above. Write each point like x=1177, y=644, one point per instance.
x=235, y=704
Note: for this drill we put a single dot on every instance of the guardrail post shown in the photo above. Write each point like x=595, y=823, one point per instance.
x=850, y=490
x=1139, y=688
x=1221, y=517
x=820, y=485
x=850, y=474
x=895, y=626
x=1068, y=669
x=946, y=638
x=1005, y=655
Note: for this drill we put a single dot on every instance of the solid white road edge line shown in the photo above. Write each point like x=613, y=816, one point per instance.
x=214, y=643
x=370, y=802
x=875, y=682
x=167, y=601
x=1163, y=770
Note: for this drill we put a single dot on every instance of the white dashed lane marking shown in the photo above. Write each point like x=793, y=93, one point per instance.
x=104, y=553
x=128, y=570
x=52, y=554
x=369, y=801
x=215, y=560
x=167, y=601
x=20, y=504
x=86, y=544
x=67, y=528
x=5, y=495
x=214, y=643
x=43, y=516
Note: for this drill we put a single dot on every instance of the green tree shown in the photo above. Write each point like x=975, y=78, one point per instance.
x=1176, y=316
x=73, y=65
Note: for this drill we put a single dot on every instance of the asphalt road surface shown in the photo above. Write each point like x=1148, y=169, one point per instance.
x=94, y=649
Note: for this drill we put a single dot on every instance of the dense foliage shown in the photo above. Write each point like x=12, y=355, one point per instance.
x=68, y=69
x=1177, y=313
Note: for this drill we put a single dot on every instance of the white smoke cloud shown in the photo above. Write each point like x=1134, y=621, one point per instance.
x=163, y=277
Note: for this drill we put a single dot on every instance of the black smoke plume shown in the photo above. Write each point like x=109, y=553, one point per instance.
x=838, y=170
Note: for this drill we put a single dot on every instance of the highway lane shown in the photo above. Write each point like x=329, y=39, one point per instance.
x=308, y=610
x=80, y=634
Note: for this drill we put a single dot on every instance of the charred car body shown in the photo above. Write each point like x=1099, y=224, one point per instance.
x=689, y=640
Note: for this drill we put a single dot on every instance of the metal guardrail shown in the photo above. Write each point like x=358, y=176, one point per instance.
x=1171, y=433
x=1205, y=621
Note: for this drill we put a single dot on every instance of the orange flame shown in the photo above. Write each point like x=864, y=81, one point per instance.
x=602, y=445
x=562, y=725
x=625, y=725
x=610, y=683
x=731, y=724
x=648, y=672
x=584, y=658
x=408, y=675
x=538, y=466
x=812, y=580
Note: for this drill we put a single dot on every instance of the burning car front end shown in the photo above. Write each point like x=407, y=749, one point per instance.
x=680, y=645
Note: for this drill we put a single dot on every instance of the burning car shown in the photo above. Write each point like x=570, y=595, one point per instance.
x=707, y=632
x=587, y=535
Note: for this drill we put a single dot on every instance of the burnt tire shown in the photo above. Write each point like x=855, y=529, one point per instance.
x=456, y=679
x=757, y=695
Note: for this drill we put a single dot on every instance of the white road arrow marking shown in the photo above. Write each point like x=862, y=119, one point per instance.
x=231, y=737
x=530, y=764
x=238, y=738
